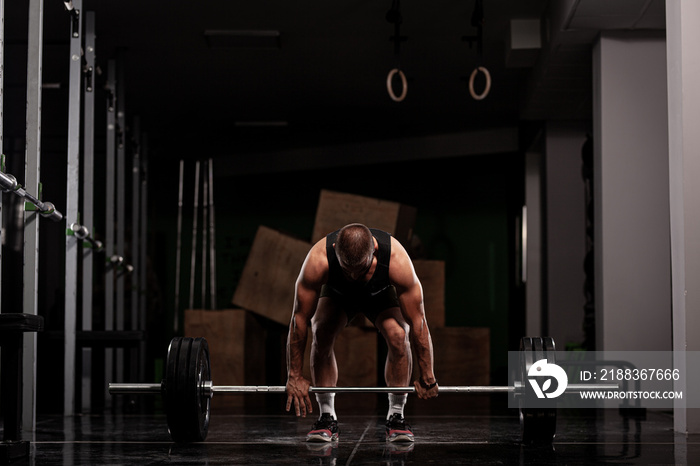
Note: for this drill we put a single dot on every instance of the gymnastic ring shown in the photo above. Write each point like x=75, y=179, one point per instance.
x=404, y=83
x=487, y=75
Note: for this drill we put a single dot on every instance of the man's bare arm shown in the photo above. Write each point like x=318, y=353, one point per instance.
x=307, y=290
x=410, y=294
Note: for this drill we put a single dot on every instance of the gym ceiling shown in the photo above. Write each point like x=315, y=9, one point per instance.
x=223, y=78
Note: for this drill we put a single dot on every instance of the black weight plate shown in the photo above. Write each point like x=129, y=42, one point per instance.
x=187, y=406
x=550, y=349
x=172, y=404
x=538, y=423
x=174, y=401
x=525, y=362
x=548, y=422
x=202, y=375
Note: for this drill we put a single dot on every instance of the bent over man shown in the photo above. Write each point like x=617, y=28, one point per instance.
x=358, y=270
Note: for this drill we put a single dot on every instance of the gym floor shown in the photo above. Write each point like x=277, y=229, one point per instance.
x=583, y=437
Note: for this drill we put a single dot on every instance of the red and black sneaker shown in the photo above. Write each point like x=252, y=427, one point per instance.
x=323, y=430
x=397, y=430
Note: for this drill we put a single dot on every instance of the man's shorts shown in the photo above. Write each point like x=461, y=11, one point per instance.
x=370, y=306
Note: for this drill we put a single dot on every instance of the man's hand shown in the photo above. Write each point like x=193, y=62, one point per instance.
x=298, y=394
x=425, y=393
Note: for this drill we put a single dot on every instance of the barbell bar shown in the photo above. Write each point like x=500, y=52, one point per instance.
x=209, y=390
x=8, y=183
x=187, y=390
x=118, y=263
x=81, y=232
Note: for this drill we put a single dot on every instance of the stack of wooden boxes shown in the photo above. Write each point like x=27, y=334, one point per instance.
x=238, y=351
x=240, y=339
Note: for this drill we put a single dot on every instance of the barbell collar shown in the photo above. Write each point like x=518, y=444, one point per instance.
x=8, y=182
x=119, y=264
x=116, y=260
x=48, y=210
x=45, y=209
x=80, y=231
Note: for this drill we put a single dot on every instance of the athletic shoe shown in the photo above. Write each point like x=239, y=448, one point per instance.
x=323, y=430
x=397, y=430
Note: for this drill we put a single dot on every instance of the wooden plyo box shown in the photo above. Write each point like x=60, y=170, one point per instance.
x=267, y=282
x=432, y=277
x=462, y=355
x=335, y=210
x=356, y=355
x=237, y=350
x=461, y=358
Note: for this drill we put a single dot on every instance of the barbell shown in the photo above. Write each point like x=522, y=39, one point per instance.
x=8, y=183
x=188, y=389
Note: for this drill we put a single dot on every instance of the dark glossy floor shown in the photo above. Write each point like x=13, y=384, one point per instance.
x=583, y=437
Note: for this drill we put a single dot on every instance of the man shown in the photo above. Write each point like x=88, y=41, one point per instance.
x=351, y=271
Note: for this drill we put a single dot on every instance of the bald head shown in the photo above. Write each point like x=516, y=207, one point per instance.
x=354, y=248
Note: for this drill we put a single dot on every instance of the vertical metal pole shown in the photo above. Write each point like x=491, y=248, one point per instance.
x=143, y=264
x=178, y=252
x=194, y=233
x=88, y=201
x=121, y=207
x=212, y=239
x=71, y=216
x=109, y=217
x=31, y=225
x=205, y=225
x=135, y=217
x=2, y=118
x=135, y=250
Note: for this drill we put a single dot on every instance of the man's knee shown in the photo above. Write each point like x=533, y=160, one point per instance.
x=322, y=341
x=397, y=339
x=325, y=327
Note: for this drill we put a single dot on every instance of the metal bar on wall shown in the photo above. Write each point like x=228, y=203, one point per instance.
x=212, y=237
x=195, y=214
x=71, y=216
x=178, y=251
x=35, y=41
x=109, y=216
x=88, y=201
x=2, y=119
x=205, y=236
x=143, y=264
x=135, y=218
x=135, y=235
x=121, y=208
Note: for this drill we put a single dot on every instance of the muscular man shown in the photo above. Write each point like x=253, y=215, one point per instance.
x=351, y=271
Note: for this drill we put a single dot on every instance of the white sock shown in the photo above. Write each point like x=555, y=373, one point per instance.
x=396, y=403
x=326, y=404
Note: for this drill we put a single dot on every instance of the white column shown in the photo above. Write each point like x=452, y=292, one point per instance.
x=72, y=198
x=682, y=35
x=534, y=325
x=31, y=226
x=633, y=296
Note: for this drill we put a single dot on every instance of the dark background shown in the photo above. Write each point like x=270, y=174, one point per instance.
x=325, y=79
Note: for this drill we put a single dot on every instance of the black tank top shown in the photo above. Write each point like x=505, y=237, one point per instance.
x=358, y=290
